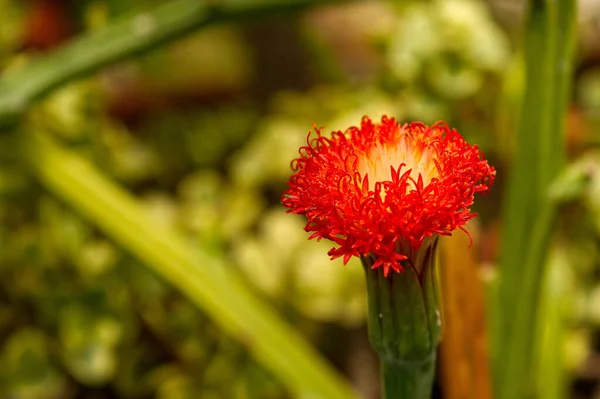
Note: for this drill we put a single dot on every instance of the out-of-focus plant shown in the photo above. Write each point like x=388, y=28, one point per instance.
x=92, y=291
x=83, y=314
x=12, y=20
x=529, y=210
x=447, y=46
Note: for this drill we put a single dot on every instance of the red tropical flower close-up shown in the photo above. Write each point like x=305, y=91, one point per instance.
x=376, y=188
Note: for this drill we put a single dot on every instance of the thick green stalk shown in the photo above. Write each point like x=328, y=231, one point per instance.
x=527, y=185
x=404, y=323
x=124, y=37
x=553, y=376
x=529, y=212
x=555, y=306
x=203, y=277
x=407, y=380
x=516, y=366
x=566, y=40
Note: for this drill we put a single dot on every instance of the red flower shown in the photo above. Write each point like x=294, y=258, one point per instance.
x=380, y=186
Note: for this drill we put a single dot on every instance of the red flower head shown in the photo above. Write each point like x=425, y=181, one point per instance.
x=379, y=187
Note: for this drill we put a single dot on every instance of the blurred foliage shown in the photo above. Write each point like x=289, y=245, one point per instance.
x=188, y=130
x=178, y=126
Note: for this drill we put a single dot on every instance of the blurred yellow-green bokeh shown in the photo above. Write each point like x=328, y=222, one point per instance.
x=201, y=130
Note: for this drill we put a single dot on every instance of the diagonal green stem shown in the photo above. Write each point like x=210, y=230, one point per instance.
x=204, y=278
x=126, y=36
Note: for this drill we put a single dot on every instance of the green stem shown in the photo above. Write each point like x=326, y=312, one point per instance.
x=530, y=212
x=404, y=322
x=527, y=187
x=553, y=375
x=125, y=36
x=407, y=380
x=517, y=368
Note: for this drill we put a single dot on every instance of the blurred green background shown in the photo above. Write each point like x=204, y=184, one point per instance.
x=201, y=130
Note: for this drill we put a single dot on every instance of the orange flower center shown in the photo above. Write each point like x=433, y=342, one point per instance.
x=414, y=154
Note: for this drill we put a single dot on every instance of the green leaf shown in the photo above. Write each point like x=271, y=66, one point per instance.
x=202, y=276
x=530, y=210
x=128, y=35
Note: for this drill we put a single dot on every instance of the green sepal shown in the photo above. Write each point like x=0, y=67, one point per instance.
x=431, y=295
x=404, y=314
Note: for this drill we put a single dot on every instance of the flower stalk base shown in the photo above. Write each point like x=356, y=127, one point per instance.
x=405, y=322
x=408, y=380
